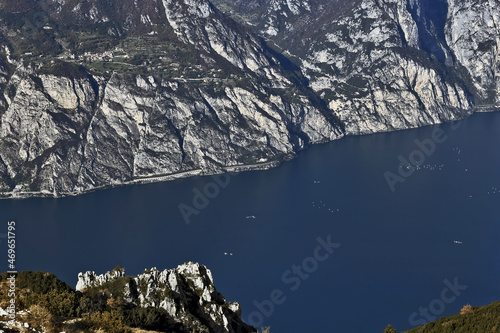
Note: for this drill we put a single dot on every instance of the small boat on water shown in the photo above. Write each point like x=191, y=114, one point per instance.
x=457, y=242
x=250, y=217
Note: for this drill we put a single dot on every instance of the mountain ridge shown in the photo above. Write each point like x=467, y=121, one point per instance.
x=183, y=299
x=230, y=104
x=358, y=60
x=171, y=88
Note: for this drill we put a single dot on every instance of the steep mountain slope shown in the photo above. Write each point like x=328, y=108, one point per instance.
x=472, y=33
x=101, y=93
x=288, y=22
x=388, y=64
x=234, y=103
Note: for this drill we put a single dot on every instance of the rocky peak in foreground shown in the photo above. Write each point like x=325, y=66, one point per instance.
x=183, y=299
x=187, y=293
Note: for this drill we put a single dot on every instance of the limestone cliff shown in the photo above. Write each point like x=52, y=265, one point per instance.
x=193, y=92
x=65, y=131
x=385, y=65
x=187, y=293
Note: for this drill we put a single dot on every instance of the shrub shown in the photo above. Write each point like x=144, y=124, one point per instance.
x=90, y=304
x=149, y=318
x=62, y=304
x=116, y=303
x=111, y=322
x=41, y=319
x=38, y=282
x=390, y=329
x=466, y=309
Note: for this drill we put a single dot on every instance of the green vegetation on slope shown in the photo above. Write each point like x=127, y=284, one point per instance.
x=475, y=320
x=52, y=302
x=480, y=319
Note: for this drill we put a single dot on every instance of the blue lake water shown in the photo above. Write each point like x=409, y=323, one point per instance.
x=392, y=252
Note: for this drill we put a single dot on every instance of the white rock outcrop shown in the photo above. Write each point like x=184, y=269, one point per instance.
x=177, y=291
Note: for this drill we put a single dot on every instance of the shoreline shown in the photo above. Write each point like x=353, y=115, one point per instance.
x=150, y=180
x=223, y=169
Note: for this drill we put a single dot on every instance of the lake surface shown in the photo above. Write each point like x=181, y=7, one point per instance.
x=392, y=250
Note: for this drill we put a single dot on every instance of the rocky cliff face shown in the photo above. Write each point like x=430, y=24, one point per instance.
x=187, y=293
x=389, y=64
x=472, y=33
x=212, y=96
x=67, y=134
x=374, y=81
